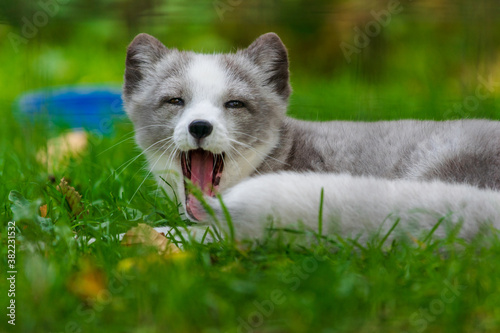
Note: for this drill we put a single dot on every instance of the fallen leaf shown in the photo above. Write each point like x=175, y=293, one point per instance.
x=62, y=148
x=126, y=265
x=72, y=196
x=141, y=264
x=43, y=211
x=88, y=282
x=146, y=235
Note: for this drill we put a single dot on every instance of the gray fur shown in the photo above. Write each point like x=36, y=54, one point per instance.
x=142, y=53
x=461, y=151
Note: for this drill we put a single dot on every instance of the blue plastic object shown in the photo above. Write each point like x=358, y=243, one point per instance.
x=93, y=108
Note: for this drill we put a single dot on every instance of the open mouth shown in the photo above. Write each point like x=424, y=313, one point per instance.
x=204, y=170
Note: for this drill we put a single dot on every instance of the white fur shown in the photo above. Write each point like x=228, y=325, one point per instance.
x=207, y=83
x=217, y=142
x=356, y=206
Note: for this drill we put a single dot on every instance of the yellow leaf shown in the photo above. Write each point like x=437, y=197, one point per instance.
x=43, y=211
x=146, y=235
x=88, y=282
x=62, y=148
x=73, y=198
x=125, y=265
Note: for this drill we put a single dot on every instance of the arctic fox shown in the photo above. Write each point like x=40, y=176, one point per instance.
x=218, y=121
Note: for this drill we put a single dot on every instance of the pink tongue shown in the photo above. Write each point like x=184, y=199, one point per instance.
x=202, y=164
x=194, y=208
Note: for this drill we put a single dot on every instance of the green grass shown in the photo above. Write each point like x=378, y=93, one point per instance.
x=337, y=285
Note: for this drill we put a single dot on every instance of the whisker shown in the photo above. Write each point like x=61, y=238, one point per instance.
x=170, y=159
x=258, y=152
x=116, y=144
x=127, y=163
x=168, y=162
x=130, y=161
x=164, y=151
x=149, y=172
x=253, y=167
x=251, y=136
x=148, y=126
x=229, y=155
x=130, y=133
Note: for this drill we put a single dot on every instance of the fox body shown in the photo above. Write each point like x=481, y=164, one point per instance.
x=219, y=121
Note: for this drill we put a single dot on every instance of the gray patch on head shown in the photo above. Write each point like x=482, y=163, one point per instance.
x=153, y=72
x=261, y=120
x=238, y=69
x=175, y=65
x=142, y=53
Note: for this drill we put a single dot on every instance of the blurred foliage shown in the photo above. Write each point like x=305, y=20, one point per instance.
x=315, y=28
x=428, y=50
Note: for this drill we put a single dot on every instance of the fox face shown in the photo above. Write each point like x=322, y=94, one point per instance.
x=211, y=119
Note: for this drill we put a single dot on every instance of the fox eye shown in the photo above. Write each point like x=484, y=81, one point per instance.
x=175, y=101
x=234, y=105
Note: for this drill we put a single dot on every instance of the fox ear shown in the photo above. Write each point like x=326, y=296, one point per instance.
x=142, y=54
x=269, y=52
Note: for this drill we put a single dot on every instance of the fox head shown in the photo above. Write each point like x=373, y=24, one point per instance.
x=208, y=118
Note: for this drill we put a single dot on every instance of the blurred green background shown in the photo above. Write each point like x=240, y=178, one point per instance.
x=349, y=59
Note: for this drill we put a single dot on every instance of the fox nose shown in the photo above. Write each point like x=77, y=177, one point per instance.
x=200, y=129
